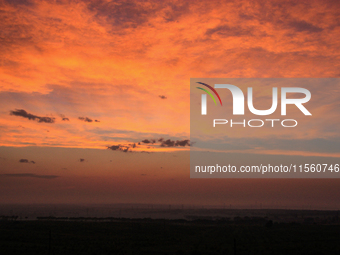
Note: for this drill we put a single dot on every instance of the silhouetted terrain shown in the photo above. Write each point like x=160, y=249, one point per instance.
x=202, y=232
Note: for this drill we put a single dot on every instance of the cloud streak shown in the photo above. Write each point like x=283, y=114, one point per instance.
x=30, y=175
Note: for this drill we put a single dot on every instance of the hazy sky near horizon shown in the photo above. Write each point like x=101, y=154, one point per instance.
x=77, y=77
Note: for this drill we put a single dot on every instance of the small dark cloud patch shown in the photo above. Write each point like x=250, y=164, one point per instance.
x=227, y=31
x=114, y=147
x=167, y=143
x=21, y=2
x=86, y=119
x=31, y=175
x=143, y=174
x=81, y=160
x=303, y=26
x=123, y=148
x=162, y=97
x=123, y=14
x=173, y=143
x=182, y=143
x=24, y=114
x=152, y=141
x=64, y=118
x=23, y=160
x=156, y=142
x=176, y=10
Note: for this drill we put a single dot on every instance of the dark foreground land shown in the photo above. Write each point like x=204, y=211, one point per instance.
x=152, y=236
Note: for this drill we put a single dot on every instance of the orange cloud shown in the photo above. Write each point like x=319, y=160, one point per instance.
x=112, y=60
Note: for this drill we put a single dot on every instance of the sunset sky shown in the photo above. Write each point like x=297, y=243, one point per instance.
x=95, y=97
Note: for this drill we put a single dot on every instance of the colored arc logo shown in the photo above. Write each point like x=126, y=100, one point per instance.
x=209, y=92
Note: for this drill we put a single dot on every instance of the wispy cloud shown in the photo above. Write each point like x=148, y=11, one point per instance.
x=30, y=175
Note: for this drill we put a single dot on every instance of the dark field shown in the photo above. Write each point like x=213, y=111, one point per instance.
x=152, y=236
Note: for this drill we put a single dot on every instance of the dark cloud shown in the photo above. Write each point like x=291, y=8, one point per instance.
x=182, y=143
x=156, y=142
x=123, y=148
x=168, y=143
x=152, y=141
x=176, y=10
x=173, y=143
x=226, y=31
x=114, y=147
x=162, y=97
x=20, y=2
x=123, y=14
x=64, y=118
x=132, y=14
x=86, y=119
x=26, y=161
x=303, y=26
x=46, y=119
x=81, y=160
x=24, y=114
x=31, y=175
